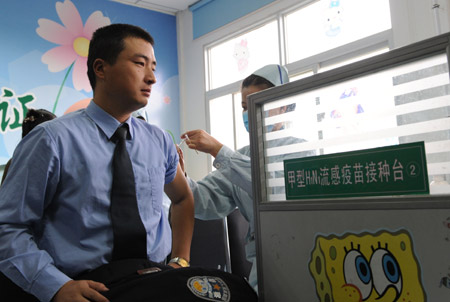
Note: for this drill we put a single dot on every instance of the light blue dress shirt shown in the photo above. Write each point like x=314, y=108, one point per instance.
x=54, y=203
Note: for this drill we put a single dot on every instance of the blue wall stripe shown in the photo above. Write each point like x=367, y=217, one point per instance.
x=209, y=15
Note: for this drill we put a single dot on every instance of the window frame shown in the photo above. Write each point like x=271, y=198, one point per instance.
x=312, y=64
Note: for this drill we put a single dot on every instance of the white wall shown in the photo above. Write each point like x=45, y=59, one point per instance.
x=412, y=21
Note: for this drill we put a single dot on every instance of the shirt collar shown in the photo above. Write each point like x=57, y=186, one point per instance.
x=105, y=121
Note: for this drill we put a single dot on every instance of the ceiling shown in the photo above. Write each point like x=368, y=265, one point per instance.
x=164, y=6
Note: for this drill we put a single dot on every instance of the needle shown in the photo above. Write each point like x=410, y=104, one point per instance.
x=182, y=141
x=186, y=137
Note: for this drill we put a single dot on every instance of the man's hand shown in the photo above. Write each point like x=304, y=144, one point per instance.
x=81, y=291
x=201, y=140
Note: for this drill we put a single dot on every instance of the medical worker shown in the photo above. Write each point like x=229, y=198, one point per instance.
x=221, y=191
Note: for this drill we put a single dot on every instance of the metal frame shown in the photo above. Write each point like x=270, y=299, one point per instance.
x=419, y=50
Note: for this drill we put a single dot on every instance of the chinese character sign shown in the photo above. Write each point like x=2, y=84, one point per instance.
x=392, y=170
x=12, y=104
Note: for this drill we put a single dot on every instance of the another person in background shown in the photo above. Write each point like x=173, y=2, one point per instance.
x=220, y=192
x=57, y=225
x=33, y=118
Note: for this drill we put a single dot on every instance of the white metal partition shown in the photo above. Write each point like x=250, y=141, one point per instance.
x=394, y=98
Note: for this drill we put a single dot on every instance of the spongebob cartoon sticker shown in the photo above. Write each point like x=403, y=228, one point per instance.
x=366, y=267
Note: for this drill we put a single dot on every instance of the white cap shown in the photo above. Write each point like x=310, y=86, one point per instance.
x=274, y=73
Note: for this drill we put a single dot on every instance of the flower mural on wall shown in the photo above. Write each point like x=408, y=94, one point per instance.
x=73, y=39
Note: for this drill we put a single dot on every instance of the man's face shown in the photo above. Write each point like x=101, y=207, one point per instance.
x=129, y=80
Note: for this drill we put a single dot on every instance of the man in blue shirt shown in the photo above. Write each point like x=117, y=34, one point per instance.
x=54, y=204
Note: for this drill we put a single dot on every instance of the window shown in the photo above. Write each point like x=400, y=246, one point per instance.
x=319, y=36
x=401, y=104
x=236, y=58
x=242, y=138
x=226, y=121
x=220, y=111
x=327, y=24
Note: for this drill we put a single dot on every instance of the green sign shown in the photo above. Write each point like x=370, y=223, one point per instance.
x=392, y=170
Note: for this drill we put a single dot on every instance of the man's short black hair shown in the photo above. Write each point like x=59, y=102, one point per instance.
x=107, y=42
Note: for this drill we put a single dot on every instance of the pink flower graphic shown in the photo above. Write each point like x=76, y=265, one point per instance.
x=73, y=40
x=167, y=99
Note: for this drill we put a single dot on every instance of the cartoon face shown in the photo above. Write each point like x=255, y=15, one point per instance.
x=333, y=18
x=368, y=267
x=241, y=55
x=241, y=50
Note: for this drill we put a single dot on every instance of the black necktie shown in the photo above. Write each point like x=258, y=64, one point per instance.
x=130, y=237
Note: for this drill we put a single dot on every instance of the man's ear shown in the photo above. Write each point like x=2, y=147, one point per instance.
x=98, y=67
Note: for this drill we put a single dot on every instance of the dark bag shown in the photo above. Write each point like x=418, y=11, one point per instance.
x=162, y=283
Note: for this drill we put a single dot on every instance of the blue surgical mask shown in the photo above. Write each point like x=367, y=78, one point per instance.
x=245, y=118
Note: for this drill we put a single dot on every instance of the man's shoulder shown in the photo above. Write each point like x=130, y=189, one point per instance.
x=67, y=123
x=151, y=130
x=149, y=127
x=71, y=116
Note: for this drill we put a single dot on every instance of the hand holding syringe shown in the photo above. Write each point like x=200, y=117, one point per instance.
x=202, y=141
x=186, y=137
